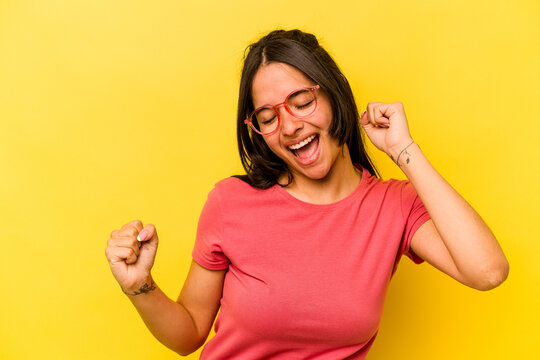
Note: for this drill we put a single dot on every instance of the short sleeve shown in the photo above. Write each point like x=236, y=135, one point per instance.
x=414, y=215
x=207, y=250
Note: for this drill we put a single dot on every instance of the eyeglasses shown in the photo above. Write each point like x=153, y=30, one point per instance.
x=300, y=103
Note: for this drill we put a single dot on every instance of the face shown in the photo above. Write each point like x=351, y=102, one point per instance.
x=316, y=159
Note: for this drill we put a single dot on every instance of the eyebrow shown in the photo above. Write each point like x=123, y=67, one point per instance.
x=289, y=93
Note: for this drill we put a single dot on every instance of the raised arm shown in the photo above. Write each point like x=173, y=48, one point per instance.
x=456, y=240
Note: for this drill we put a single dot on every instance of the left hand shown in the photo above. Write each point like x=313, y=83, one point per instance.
x=386, y=126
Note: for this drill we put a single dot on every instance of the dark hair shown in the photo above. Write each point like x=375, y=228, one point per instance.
x=302, y=51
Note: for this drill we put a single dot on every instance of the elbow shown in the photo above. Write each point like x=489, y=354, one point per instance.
x=182, y=351
x=495, y=277
x=189, y=351
x=185, y=352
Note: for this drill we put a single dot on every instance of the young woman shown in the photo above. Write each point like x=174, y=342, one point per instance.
x=300, y=250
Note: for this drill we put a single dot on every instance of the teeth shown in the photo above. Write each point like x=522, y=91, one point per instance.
x=303, y=143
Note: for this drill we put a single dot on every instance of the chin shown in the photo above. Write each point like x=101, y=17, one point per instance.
x=317, y=173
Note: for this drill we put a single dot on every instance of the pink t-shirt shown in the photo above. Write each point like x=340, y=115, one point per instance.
x=304, y=281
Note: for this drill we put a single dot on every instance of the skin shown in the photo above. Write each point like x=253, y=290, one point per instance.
x=455, y=240
x=332, y=176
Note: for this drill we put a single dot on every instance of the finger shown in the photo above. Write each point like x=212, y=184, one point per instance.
x=137, y=224
x=115, y=256
x=131, y=259
x=379, y=116
x=130, y=230
x=364, y=118
x=147, y=233
x=367, y=125
x=382, y=113
x=111, y=255
x=127, y=233
x=382, y=120
x=119, y=254
x=129, y=242
x=371, y=113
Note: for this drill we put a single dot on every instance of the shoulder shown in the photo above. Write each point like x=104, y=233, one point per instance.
x=234, y=187
x=233, y=183
x=394, y=195
x=379, y=186
x=235, y=197
x=394, y=192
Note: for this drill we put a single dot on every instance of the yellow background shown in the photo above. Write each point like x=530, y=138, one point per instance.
x=112, y=111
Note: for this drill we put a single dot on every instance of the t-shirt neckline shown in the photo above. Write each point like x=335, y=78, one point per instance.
x=363, y=179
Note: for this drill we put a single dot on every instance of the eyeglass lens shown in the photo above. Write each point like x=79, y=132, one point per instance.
x=301, y=104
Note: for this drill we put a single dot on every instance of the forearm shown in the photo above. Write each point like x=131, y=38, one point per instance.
x=470, y=242
x=167, y=320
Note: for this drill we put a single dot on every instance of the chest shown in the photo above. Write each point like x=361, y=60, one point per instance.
x=309, y=276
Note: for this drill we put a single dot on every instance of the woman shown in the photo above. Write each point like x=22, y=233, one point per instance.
x=300, y=250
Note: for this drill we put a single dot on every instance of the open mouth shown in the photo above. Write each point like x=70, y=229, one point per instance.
x=307, y=150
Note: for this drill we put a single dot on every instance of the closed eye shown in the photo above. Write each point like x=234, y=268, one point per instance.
x=304, y=105
x=268, y=121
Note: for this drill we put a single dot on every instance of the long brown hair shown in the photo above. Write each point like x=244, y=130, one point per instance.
x=302, y=51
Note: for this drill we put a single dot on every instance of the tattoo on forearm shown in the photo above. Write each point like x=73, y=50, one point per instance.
x=407, y=157
x=143, y=289
x=404, y=152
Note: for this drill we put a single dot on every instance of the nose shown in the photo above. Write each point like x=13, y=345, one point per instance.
x=289, y=125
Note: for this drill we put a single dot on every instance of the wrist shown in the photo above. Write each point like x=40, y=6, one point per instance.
x=397, y=152
x=145, y=286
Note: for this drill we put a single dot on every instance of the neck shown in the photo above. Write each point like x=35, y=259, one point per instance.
x=342, y=179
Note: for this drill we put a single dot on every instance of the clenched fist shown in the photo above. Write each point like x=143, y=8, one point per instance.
x=131, y=252
x=376, y=121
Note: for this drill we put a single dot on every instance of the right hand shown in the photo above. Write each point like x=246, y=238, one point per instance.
x=129, y=259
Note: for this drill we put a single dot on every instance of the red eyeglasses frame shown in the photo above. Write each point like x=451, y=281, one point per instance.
x=248, y=120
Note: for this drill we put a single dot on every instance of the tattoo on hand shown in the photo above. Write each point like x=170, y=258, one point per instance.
x=143, y=289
